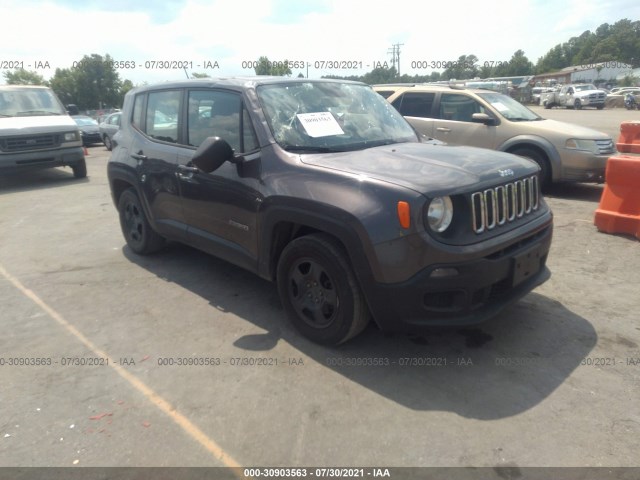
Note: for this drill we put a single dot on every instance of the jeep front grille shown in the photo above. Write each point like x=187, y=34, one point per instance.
x=498, y=206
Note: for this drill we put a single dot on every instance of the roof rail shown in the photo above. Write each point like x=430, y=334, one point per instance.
x=457, y=85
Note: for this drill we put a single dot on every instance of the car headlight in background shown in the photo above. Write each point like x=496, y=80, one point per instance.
x=586, y=145
x=440, y=214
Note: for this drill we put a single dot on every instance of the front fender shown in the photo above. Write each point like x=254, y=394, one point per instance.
x=307, y=214
x=541, y=143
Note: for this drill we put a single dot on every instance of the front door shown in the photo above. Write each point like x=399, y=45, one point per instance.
x=221, y=207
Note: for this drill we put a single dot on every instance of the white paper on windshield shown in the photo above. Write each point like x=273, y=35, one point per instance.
x=319, y=124
x=500, y=107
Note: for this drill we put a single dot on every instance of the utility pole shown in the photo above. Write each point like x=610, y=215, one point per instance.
x=395, y=55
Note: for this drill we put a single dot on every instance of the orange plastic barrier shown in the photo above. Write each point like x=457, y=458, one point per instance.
x=619, y=209
x=629, y=138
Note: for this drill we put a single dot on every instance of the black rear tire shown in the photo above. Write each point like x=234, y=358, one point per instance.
x=319, y=290
x=80, y=169
x=541, y=160
x=140, y=237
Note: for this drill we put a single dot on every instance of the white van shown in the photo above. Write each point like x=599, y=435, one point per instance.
x=37, y=132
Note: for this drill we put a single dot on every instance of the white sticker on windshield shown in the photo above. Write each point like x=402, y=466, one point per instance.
x=319, y=124
x=500, y=107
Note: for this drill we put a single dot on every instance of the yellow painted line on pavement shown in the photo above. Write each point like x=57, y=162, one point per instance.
x=209, y=444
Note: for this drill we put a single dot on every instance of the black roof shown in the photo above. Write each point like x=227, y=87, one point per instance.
x=237, y=83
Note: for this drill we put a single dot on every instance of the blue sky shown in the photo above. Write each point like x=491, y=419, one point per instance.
x=352, y=33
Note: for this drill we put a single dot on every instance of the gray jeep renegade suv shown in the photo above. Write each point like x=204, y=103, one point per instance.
x=324, y=188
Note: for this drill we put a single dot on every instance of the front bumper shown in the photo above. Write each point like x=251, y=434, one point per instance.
x=481, y=288
x=581, y=166
x=58, y=157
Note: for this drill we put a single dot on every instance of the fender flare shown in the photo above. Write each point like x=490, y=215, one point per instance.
x=551, y=152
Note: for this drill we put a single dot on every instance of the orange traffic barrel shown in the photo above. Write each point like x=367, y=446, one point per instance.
x=629, y=138
x=619, y=209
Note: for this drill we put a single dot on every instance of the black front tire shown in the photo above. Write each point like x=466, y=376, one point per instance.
x=577, y=105
x=541, y=160
x=140, y=237
x=80, y=169
x=319, y=290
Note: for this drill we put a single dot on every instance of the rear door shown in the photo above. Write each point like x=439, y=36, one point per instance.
x=155, y=116
x=417, y=108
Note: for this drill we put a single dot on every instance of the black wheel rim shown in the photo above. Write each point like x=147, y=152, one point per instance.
x=312, y=293
x=133, y=223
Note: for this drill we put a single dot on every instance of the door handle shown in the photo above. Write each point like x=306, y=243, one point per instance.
x=138, y=156
x=187, y=169
x=443, y=129
x=185, y=172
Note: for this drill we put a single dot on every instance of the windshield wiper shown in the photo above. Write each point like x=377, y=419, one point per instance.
x=37, y=112
x=307, y=148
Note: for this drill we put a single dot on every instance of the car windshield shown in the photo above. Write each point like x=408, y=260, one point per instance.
x=330, y=117
x=20, y=102
x=510, y=108
x=85, y=121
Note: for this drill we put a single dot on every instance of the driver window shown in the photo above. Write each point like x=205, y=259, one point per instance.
x=214, y=113
x=458, y=107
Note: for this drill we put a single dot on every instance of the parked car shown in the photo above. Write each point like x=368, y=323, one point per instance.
x=535, y=94
x=480, y=118
x=89, y=129
x=108, y=129
x=36, y=131
x=322, y=187
x=577, y=96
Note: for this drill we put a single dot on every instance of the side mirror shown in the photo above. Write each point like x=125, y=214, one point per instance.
x=211, y=154
x=483, y=118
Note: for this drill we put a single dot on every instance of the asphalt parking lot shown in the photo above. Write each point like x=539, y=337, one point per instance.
x=552, y=381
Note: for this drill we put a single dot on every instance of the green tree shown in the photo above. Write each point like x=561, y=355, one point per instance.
x=464, y=68
x=64, y=84
x=266, y=67
x=380, y=75
x=23, y=77
x=92, y=83
x=518, y=65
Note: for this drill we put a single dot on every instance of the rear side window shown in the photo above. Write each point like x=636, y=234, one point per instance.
x=138, y=111
x=415, y=104
x=385, y=93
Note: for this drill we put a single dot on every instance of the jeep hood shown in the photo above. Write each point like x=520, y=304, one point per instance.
x=431, y=169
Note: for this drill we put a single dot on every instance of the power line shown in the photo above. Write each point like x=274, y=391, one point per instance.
x=395, y=55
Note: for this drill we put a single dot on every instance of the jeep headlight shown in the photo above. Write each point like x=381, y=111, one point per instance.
x=71, y=137
x=440, y=214
x=586, y=145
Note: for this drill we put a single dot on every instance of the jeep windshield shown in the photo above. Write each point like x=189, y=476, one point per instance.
x=510, y=108
x=321, y=117
x=22, y=102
